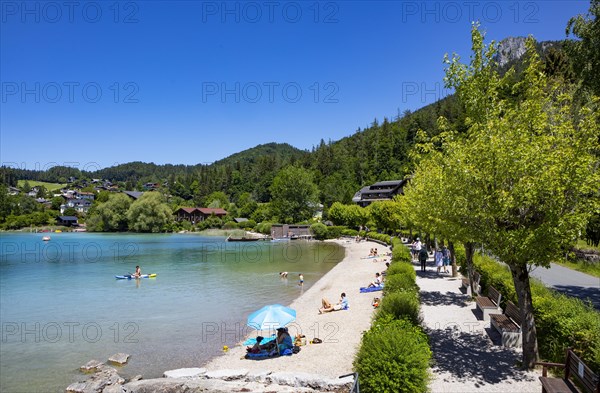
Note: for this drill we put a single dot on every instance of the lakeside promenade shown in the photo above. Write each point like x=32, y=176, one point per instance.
x=467, y=356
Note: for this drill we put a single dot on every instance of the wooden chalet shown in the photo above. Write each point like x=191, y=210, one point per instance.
x=197, y=214
x=380, y=191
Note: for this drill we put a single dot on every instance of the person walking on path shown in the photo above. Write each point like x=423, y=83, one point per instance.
x=423, y=257
x=416, y=248
x=438, y=257
x=446, y=257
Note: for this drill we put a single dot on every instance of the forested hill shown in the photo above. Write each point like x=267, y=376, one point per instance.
x=340, y=168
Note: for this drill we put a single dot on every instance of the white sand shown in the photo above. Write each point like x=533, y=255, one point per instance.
x=341, y=331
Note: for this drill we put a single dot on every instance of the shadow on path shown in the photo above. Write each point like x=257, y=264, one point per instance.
x=471, y=356
x=432, y=274
x=583, y=293
x=444, y=299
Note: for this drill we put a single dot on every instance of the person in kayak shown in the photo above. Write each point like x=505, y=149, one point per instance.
x=138, y=272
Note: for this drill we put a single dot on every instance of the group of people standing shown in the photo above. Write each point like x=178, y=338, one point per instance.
x=441, y=256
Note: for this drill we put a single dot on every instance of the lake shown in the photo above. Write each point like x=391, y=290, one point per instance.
x=61, y=306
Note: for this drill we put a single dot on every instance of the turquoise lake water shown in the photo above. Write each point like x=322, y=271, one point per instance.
x=61, y=306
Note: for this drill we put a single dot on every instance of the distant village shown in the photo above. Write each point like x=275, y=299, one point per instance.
x=76, y=202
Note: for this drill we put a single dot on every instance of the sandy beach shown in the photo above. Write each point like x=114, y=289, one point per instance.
x=341, y=331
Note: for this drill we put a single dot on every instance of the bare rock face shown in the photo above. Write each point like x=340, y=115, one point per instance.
x=119, y=358
x=509, y=49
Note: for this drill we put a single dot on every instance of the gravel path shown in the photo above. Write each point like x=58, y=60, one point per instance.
x=467, y=352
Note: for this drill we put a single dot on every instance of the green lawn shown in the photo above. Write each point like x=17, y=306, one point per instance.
x=592, y=269
x=49, y=186
x=589, y=268
x=582, y=245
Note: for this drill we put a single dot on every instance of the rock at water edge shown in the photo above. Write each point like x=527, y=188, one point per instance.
x=193, y=372
x=119, y=358
x=91, y=366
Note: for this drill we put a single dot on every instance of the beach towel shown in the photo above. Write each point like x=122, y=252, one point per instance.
x=371, y=289
x=252, y=341
x=262, y=355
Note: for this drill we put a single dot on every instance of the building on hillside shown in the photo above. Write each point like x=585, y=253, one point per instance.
x=380, y=191
x=68, y=221
x=13, y=190
x=80, y=205
x=33, y=192
x=133, y=194
x=86, y=195
x=152, y=186
x=197, y=214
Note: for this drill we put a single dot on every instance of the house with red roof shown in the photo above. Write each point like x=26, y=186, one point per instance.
x=197, y=214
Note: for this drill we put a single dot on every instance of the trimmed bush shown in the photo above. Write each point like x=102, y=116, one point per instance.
x=319, y=230
x=400, y=305
x=400, y=253
x=334, y=232
x=399, y=283
x=349, y=232
x=394, y=357
x=382, y=237
x=403, y=269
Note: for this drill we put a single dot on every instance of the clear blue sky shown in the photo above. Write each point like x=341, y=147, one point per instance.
x=93, y=84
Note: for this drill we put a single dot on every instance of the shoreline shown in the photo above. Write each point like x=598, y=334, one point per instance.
x=340, y=331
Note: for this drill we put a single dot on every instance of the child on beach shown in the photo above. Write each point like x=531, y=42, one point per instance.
x=300, y=279
x=256, y=348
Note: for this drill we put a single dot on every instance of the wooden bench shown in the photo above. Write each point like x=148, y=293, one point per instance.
x=508, y=325
x=586, y=379
x=467, y=287
x=490, y=303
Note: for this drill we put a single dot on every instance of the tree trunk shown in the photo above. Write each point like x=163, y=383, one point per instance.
x=469, y=248
x=520, y=276
x=453, y=259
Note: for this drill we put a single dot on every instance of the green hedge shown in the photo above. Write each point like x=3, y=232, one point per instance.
x=394, y=357
x=382, y=237
x=401, y=268
x=561, y=321
x=399, y=283
x=349, y=232
x=400, y=305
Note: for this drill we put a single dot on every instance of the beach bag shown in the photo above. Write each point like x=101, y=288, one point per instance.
x=295, y=349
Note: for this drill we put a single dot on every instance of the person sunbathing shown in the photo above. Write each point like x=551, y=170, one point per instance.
x=378, y=281
x=328, y=307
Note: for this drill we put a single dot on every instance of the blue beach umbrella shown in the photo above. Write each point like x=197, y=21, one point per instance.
x=271, y=317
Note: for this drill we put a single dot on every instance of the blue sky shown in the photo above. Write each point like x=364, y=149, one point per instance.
x=92, y=84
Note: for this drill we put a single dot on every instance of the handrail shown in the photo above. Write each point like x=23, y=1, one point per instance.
x=355, y=386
